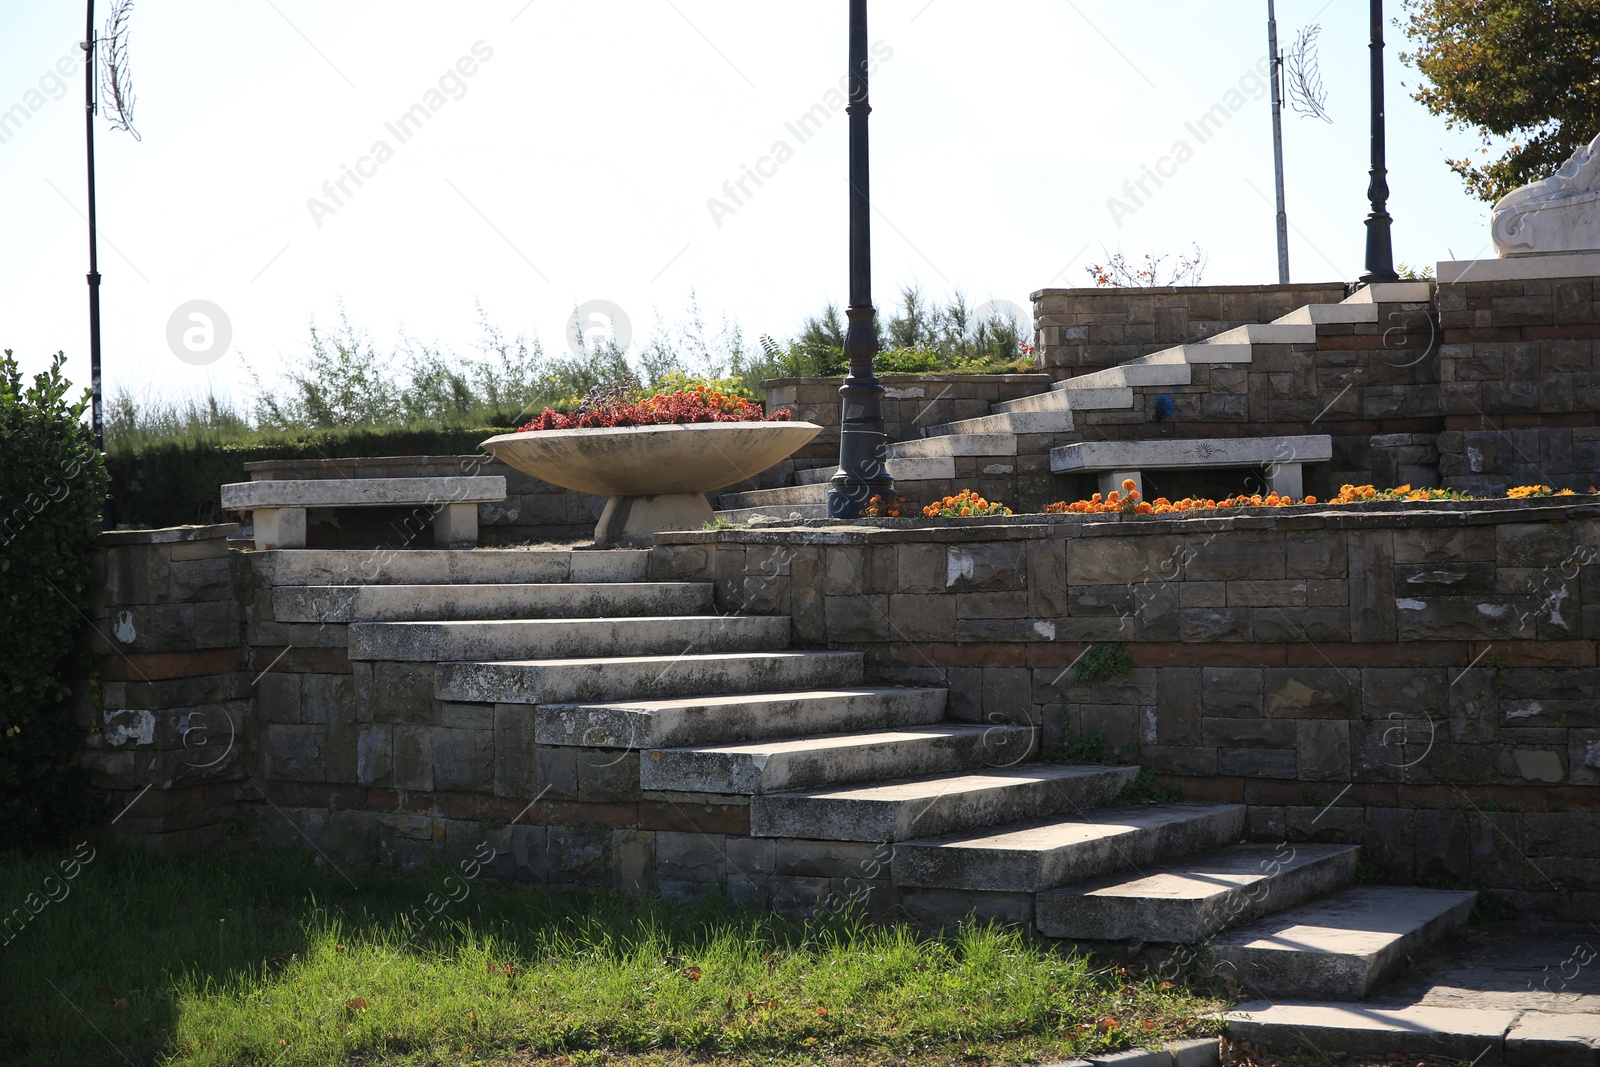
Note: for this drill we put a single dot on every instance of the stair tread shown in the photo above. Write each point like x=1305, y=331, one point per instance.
x=1046, y=834
x=942, y=785
x=1206, y=875
x=668, y=703
x=580, y=661
x=852, y=739
x=1358, y=921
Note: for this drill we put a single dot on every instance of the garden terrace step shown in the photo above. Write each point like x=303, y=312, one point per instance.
x=1341, y=947
x=947, y=803
x=1209, y=351
x=1461, y=1035
x=784, y=496
x=1075, y=399
x=703, y=720
x=504, y=639
x=1129, y=376
x=1189, y=901
x=967, y=444
x=1392, y=293
x=775, y=511
x=1058, y=420
x=1264, y=333
x=418, y=603
x=834, y=759
x=426, y=566
x=1331, y=314
x=638, y=678
x=1045, y=853
x=926, y=469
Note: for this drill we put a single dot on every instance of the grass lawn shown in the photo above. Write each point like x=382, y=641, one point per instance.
x=244, y=957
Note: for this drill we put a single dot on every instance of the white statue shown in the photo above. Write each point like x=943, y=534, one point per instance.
x=1559, y=214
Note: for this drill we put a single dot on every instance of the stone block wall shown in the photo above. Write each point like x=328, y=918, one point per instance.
x=168, y=736
x=1520, y=374
x=1080, y=330
x=911, y=402
x=1422, y=682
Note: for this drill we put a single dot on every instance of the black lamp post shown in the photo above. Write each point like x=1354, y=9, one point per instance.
x=1380, y=248
x=91, y=68
x=863, y=470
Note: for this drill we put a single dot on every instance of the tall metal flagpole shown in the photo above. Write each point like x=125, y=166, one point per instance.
x=1277, y=141
x=863, y=469
x=90, y=68
x=1380, y=247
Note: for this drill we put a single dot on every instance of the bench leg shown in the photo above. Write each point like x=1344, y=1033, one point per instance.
x=279, y=528
x=1111, y=482
x=456, y=526
x=1285, y=480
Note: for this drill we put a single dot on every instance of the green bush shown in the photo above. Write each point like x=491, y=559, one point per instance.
x=52, y=487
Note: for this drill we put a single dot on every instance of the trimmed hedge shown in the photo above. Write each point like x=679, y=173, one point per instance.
x=52, y=488
x=178, y=482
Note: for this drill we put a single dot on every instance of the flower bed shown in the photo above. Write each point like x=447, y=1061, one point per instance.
x=617, y=404
x=1128, y=501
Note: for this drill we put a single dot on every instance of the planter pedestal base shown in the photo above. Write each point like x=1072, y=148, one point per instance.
x=631, y=520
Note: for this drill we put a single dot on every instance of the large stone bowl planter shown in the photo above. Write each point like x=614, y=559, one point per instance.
x=656, y=476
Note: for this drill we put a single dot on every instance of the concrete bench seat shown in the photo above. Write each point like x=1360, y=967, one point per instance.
x=1118, y=461
x=278, y=507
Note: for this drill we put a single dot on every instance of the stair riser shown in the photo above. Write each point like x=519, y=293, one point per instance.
x=1074, y=399
x=1016, y=871
x=344, y=604
x=816, y=493
x=1069, y=914
x=669, y=727
x=582, y=683
x=855, y=819
x=349, y=566
x=994, y=444
x=1011, y=422
x=691, y=771
x=574, y=638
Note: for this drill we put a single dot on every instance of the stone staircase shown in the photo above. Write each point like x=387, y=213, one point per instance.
x=1033, y=427
x=586, y=652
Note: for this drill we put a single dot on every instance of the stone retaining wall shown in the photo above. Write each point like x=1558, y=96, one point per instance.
x=1080, y=330
x=1420, y=681
x=170, y=737
x=1520, y=374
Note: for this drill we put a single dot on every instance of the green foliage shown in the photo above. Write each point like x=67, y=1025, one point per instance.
x=1102, y=662
x=52, y=488
x=1087, y=748
x=1366, y=870
x=1486, y=909
x=278, y=958
x=1145, y=789
x=1517, y=69
x=1408, y=273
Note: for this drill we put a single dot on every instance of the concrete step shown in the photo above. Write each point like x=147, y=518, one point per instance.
x=1189, y=901
x=426, y=566
x=967, y=444
x=815, y=493
x=637, y=678
x=1057, y=420
x=1340, y=947
x=702, y=720
x=796, y=512
x=415, y=603
x=506, y=639
x=923, y=469
x=1177, y=453
x=1075, y=399
x=1331, y=314
x=1472, y=1036
x=835, y=759
x=1128, y=376
x=1393, y=293
x=896, y=811
x=1045, y=853
x=1264, y=333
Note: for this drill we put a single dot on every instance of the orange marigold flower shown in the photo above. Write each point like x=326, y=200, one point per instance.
x=1129, y=484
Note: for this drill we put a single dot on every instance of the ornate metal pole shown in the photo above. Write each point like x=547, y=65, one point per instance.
x=863, y=470
x=1380, y=249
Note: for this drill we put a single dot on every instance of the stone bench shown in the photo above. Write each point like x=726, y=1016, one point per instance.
x=1118, y=461
x=278, y=508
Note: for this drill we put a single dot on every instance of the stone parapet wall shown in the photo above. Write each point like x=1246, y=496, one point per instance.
x=1417, y=680
x=169, y=738
x=911, y=402
x=1519, y=367
x=1080, y=330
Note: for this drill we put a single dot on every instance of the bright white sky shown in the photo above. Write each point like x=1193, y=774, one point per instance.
x=578, y=164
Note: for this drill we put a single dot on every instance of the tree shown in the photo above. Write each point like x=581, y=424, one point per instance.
x=1525, y=70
